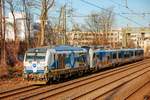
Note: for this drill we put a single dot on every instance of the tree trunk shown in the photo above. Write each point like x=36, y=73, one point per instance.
x=3, y=52
x=1, y=16
x=43, y=26
x=16, y=41
x=42, y=31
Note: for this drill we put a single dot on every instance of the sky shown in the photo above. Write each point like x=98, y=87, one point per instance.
x=128, y=13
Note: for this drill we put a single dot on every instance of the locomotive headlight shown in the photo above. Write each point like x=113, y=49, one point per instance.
x=45, y=69
x=24, y=70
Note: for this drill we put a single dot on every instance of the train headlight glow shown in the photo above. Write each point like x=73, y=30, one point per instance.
x=45, y=69
x=24, y=70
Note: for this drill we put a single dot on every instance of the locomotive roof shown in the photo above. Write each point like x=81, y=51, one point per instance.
x=60, y=48
x=67, y=48
x=37, y=50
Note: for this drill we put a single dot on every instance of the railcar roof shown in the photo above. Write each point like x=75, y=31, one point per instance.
x=113, y=50
x=130, y=49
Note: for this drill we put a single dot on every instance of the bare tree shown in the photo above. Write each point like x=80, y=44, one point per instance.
x=2, y=33
x=93, y=23
x=46, y=5
x=12, y=6
x=26, y=9
x=106, y=21
x=101, y=22
x=49, y=34
x=1, y=30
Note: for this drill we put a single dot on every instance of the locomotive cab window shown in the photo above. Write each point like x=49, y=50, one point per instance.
x=30, y=56
x=40, y=56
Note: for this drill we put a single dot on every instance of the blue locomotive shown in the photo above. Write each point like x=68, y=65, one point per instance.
x=53, y=63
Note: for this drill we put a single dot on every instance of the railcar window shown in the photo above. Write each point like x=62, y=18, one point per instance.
x=136, y=53
x=101, y=56
x=114, y=55
x=80, y=58
x=125, y=55
x=111, y=56
x=131, y=53
x=98, y=56
x=128, y=53
x=120, y=56
x=141, y=52
x=66, y=59
x=108, y=57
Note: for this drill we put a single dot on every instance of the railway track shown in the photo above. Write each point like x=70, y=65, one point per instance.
x=16, y=91
x=94, y=89
x=99, y=92
x=57, y=91
x=143, y=87
x=52, y=92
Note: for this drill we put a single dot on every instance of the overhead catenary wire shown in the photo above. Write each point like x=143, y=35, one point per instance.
x=127, y=7
x=94, y=5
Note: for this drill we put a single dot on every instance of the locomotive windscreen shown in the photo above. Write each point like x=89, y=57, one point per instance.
x=36, y=56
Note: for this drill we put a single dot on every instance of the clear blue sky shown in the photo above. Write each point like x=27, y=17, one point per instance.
x=134, y=6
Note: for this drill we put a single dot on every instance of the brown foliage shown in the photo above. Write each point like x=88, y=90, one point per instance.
x=3, y=71
x=14, y=65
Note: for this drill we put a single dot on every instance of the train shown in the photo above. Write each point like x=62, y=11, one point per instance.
x=46, y=64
